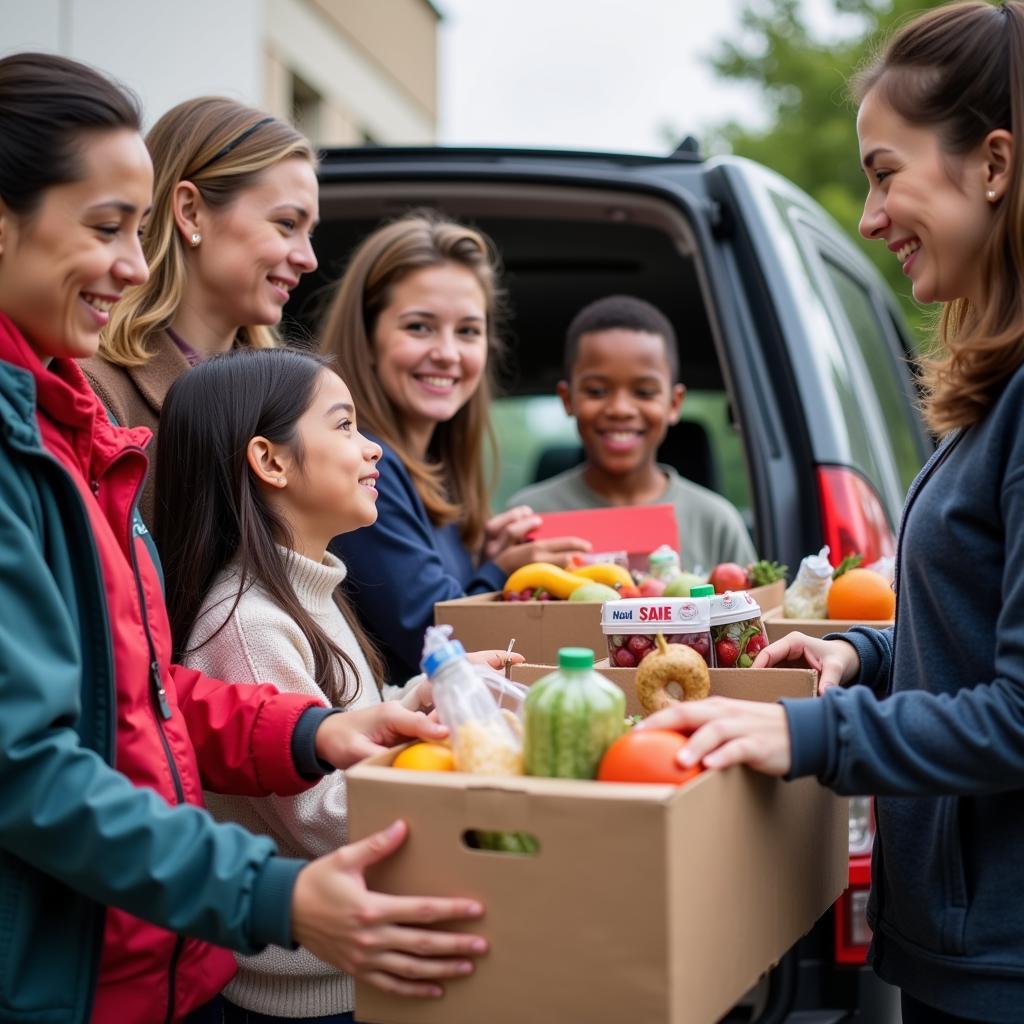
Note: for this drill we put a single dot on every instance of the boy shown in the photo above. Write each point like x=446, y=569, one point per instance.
x=622, y=372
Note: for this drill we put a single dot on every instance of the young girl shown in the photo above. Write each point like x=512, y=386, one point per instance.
x=119, y=893
x=941, y=128
x=413, y=326
x=234, y=204
x=261, y=465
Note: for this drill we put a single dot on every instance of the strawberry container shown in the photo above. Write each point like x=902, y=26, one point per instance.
x=737, y=630
x=630, y=626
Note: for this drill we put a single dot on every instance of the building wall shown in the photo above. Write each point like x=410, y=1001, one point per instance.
x=352, y=70
x=357, y=81
x=151, y=46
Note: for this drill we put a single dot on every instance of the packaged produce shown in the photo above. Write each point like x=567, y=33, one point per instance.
x=737, y=631
x=483, y=739
x=671, y=672
x=572, y=716
x=807, y=596
x=664, y=563
x=630, y=627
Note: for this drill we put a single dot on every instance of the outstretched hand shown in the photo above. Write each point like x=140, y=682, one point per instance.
x=380, y=939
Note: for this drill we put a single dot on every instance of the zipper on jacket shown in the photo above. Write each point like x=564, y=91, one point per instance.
x=160, y=695
x=179, y=945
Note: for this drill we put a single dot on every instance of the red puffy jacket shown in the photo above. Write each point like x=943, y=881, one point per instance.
x=178, y=731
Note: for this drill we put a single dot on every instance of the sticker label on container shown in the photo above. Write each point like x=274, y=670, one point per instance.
x=652, y=614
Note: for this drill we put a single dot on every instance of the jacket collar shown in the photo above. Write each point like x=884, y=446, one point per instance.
x=155, y=377
x=61, y=392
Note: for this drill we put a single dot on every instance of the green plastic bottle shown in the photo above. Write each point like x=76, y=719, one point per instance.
x=571, y=718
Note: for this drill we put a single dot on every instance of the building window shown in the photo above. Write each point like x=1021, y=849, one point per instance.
x=306, y=107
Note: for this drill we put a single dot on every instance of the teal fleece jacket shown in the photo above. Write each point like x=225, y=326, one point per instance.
x=70, y=824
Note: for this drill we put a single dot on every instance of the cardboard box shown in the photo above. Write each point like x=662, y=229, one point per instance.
x=646, y=904
x=484, y=621
x=777, y=627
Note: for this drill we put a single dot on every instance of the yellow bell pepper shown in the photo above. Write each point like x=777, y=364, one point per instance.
x=545, y=576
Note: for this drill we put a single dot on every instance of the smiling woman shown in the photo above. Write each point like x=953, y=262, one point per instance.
x=229, y=237
x=414, y=329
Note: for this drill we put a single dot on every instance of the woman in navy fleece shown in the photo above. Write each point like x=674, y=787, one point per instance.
x=413, y=329
x=929, y=714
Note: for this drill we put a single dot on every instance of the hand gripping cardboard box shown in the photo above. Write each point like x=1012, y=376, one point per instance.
x=645, y=903
x=540, y=628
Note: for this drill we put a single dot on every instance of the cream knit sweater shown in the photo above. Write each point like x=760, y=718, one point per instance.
x=260, y=643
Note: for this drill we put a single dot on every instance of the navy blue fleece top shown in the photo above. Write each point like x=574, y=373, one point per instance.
x=937, y=731
x=402, y=565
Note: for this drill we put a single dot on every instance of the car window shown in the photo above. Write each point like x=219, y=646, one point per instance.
x=888, y=378
x=527, y=425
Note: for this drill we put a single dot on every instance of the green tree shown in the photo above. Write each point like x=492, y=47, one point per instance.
x=811, y=134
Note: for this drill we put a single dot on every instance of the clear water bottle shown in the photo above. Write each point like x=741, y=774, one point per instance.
x=484, y=738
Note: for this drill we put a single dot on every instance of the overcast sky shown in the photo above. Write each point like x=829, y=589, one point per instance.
x=596, y=74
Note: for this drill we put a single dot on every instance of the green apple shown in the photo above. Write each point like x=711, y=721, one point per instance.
x=679, y=586
x=594, y=592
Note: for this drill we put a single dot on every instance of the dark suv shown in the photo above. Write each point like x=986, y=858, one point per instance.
x=800, y=407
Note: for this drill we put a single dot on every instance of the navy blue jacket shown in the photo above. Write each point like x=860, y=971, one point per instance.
x=402, y=565
x=937, y=732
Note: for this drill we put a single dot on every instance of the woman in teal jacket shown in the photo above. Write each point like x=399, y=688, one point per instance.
x=116, y=888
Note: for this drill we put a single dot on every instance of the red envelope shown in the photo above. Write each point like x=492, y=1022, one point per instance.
x=636, y=529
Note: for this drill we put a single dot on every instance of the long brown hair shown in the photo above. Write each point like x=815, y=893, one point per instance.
x=452, y=483
x=211, y=510
x=221, y=147
x=959, y=69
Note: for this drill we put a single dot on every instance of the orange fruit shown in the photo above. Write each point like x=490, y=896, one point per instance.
x=861, y=595
x=426, y=757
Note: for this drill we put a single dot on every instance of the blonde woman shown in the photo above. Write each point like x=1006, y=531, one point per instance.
x=413, y=327
x=235, y=200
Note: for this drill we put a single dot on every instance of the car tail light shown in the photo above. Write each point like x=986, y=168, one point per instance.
x=852, y=517
x=852, y=932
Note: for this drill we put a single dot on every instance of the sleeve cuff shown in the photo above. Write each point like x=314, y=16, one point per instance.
x=808, y=740
x=867, y=650
x=307, y=764
x=487, y=577
x=271, y=920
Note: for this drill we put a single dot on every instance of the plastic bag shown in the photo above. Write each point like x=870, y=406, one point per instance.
x=486, y=738
x=807, y=596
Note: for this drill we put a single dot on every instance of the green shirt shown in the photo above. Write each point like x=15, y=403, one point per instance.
x=711, y=530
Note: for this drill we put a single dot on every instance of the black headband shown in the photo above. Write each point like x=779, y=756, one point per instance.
x=223, y=151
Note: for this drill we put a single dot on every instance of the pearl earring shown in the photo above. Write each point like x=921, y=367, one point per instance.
x=280, y=481
x=195, y=239
x=991, y=195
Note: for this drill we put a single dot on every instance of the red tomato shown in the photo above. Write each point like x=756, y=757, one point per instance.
x=629, y=591
x=729, y=576
x=646, y=755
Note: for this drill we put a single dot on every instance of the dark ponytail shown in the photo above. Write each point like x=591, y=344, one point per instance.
x=210, y=510
x=46, y=103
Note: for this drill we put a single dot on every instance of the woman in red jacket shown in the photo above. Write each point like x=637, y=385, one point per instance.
x=115, y=887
